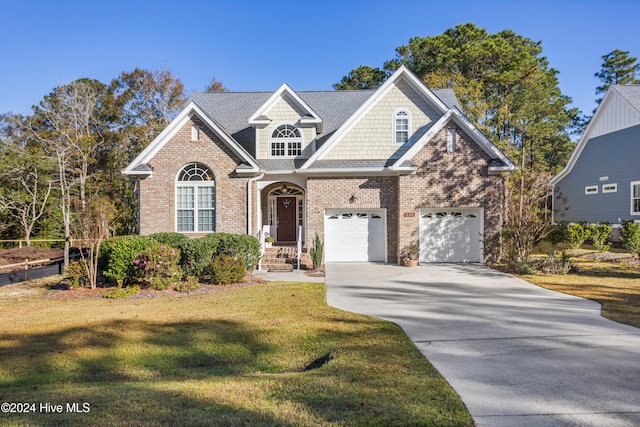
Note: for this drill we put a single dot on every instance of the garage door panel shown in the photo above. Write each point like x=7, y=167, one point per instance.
x=354, y=236
x=450, y=235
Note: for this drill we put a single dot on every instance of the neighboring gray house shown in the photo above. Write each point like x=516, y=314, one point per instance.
x=601, y=182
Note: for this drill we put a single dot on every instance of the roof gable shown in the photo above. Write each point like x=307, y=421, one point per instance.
x=139, y=165
x=619, y=109
x=500, y=163
x=285, y=93
x=403, y=74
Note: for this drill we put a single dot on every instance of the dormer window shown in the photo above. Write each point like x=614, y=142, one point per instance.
x=195, y=133
x=402, y=124
x=285, y=141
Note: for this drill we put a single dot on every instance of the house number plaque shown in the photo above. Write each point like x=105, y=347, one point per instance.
x=409, y=214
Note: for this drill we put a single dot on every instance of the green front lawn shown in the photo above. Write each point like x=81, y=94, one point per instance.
x=235, y=357
x=614, y=285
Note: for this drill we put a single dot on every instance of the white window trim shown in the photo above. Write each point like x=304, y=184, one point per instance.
x=593, y=188
x=286, y=141
x=633, y=184
x=394, y=127
x=195, y=185
x=610, y=190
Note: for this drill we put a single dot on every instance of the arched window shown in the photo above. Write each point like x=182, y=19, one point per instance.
x=285, y=141
x=195, y=199
x=401, y=127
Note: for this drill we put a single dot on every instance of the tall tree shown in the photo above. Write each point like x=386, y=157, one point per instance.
x=25, y=178
x=505, y=86
x=363, y=77
x=215, y=86
x=143, y=103
x=68, y=125
x=618, y=68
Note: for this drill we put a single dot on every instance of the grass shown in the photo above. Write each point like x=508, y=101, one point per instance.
x=231, y=358
x=614, y=285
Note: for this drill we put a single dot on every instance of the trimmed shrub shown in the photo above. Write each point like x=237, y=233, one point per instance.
x=242, y=247
x=196, y=255
x=600, y=236
x=576, y=235
x=157, y=266
x=78, y=274
x=117, y=255
x=122, y=292
x=225, y=269
x=191, y=284
x=630, y=236
x=175, y=240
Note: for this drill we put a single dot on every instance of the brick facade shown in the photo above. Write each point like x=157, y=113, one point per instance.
x=373, y=192
x=443, y=179
x=157, y=193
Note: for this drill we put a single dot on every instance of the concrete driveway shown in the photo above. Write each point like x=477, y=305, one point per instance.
x=517, y=354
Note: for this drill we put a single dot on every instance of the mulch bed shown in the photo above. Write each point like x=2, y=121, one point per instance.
x=61, y=291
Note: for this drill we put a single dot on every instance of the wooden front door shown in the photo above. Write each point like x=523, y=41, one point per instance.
x=287, y=218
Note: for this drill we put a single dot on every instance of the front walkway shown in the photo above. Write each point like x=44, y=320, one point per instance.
x=517, y=354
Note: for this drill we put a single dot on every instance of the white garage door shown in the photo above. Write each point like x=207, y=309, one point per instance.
x=450, y=235
x=354, y=236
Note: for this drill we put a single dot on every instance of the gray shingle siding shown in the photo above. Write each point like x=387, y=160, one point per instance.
x=615, y=156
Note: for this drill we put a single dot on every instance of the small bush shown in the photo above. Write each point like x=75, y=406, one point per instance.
x=316, y=252
x=524, y=268
x=630, y=236
x=196, y=255
x=157, y=266
x=242, y=247
x=553, y=265
x=191, y=284
x=122, y=292
x=577, y=234
x=225, y=269
x=175, y=240
x=557, y=233
x=600, y=236
x=117, y=255
x=78, y=274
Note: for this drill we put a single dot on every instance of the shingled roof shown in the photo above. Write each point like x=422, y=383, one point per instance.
x=232, y=110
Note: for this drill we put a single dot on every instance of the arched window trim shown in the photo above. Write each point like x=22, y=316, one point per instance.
x=285, y=141
x=401, y=127
x=195, y=202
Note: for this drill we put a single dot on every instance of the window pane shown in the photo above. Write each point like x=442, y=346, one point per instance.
x=185, y=198
x=294, y=148
x=185, y=220
x=205, y=219
x=636, y=190
x=277, y=148
x=206, y=198
x=401, y=137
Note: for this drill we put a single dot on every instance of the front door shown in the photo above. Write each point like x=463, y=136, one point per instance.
x=287, y=218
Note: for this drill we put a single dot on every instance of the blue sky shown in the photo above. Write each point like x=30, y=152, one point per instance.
x=258, y=45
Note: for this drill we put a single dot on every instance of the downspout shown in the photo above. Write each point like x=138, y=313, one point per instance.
x=250, y=204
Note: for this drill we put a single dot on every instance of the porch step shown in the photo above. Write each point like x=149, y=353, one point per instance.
x=285, y=258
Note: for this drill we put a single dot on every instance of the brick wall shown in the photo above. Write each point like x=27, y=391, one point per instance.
x=370, y=193
x=157, y=193
x=443, y=179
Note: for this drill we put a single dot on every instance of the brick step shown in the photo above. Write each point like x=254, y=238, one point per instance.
x=284, y=259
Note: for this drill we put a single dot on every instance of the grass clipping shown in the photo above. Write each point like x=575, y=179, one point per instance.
x=230, y=358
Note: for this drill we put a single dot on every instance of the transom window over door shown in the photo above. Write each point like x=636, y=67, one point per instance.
x=286, y=141
x=401, y=127
x=195, y=199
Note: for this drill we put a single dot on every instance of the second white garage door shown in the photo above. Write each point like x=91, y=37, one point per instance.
x=451, y=235
x=354, y=235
